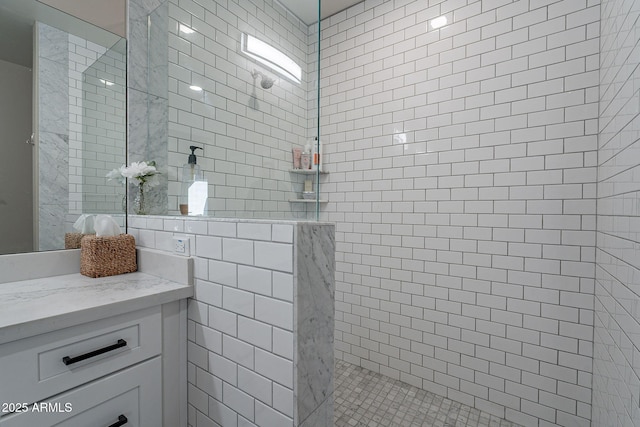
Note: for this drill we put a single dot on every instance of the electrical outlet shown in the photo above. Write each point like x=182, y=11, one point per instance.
x=181, y=246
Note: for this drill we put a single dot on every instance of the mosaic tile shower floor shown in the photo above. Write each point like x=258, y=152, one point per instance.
x=367, y=399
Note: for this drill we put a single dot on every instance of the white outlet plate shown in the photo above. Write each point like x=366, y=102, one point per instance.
x=181, y=246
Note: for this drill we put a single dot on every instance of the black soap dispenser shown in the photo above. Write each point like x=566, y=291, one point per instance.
x=191, y=172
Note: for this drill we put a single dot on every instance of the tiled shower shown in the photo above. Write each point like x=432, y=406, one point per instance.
x=484, y=189
x=483, y=182
x=463, y=185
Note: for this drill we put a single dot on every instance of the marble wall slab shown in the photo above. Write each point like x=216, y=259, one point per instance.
x=147, y=82
x=158, y=53
x=314, y=296
x=51, y=226
x=54, y=167
x=148, y=136
x=52, y=44
x=53, y=130
x=322, y=416
x=53, y=108
x=148, y=42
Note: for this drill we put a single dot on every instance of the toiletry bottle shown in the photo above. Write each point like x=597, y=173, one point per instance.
x=305, y=160
x=317, y=154
x=190, y=172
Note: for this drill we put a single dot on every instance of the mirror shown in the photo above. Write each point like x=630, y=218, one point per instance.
x=239, y=82
x=63, y=119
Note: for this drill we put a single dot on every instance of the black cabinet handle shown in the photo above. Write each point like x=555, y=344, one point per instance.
x=122, y=420
x=70, y=360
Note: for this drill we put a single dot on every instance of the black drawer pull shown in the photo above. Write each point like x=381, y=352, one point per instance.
x=70, y=360
x=122, y=420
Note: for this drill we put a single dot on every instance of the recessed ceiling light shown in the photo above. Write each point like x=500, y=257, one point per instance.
x=438, y=22
x=195, y=88
x=186, y=30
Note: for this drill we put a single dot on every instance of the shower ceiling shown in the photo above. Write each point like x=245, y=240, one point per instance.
x=308, y=10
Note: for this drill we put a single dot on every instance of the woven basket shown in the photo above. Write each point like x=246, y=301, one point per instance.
x=72, y=240
x=108, y=256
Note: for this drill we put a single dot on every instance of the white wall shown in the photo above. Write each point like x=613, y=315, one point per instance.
x=463, y=169
x=616, y=369
x=16, y=194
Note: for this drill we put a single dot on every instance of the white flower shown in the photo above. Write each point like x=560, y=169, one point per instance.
x=138, y=173
x=139, y=170
x=116, y=175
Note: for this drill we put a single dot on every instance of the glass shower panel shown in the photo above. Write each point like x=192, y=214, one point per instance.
x=103, y=135
x=148, y=98
x=243, y=86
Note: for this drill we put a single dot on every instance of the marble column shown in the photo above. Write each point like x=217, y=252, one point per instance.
x=148, y=103
x=53, y=130
x=314, y=324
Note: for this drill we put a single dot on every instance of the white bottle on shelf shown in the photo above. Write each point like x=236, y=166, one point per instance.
x=317, y=155
x=306, y=160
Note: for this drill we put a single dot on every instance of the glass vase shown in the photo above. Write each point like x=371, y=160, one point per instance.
x=139, y=203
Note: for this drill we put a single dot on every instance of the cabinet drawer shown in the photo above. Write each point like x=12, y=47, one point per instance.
x=35, y=367
x=134, y=393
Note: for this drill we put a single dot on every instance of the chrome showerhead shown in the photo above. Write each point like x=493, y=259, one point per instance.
x=266, y=82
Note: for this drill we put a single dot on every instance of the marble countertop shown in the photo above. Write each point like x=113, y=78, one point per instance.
x=36, y=306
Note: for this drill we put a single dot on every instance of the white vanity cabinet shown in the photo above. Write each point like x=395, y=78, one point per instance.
x=117, y=371
x=131, y=397
x=84, y=352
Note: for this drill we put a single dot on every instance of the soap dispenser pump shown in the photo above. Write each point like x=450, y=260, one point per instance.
x=191, y=170
x=190, y=173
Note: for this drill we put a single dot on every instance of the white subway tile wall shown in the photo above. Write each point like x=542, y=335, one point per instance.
x=616, y=374
x=240, y=329
x=247, y=132
x=79, y=59
x=463, y=168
